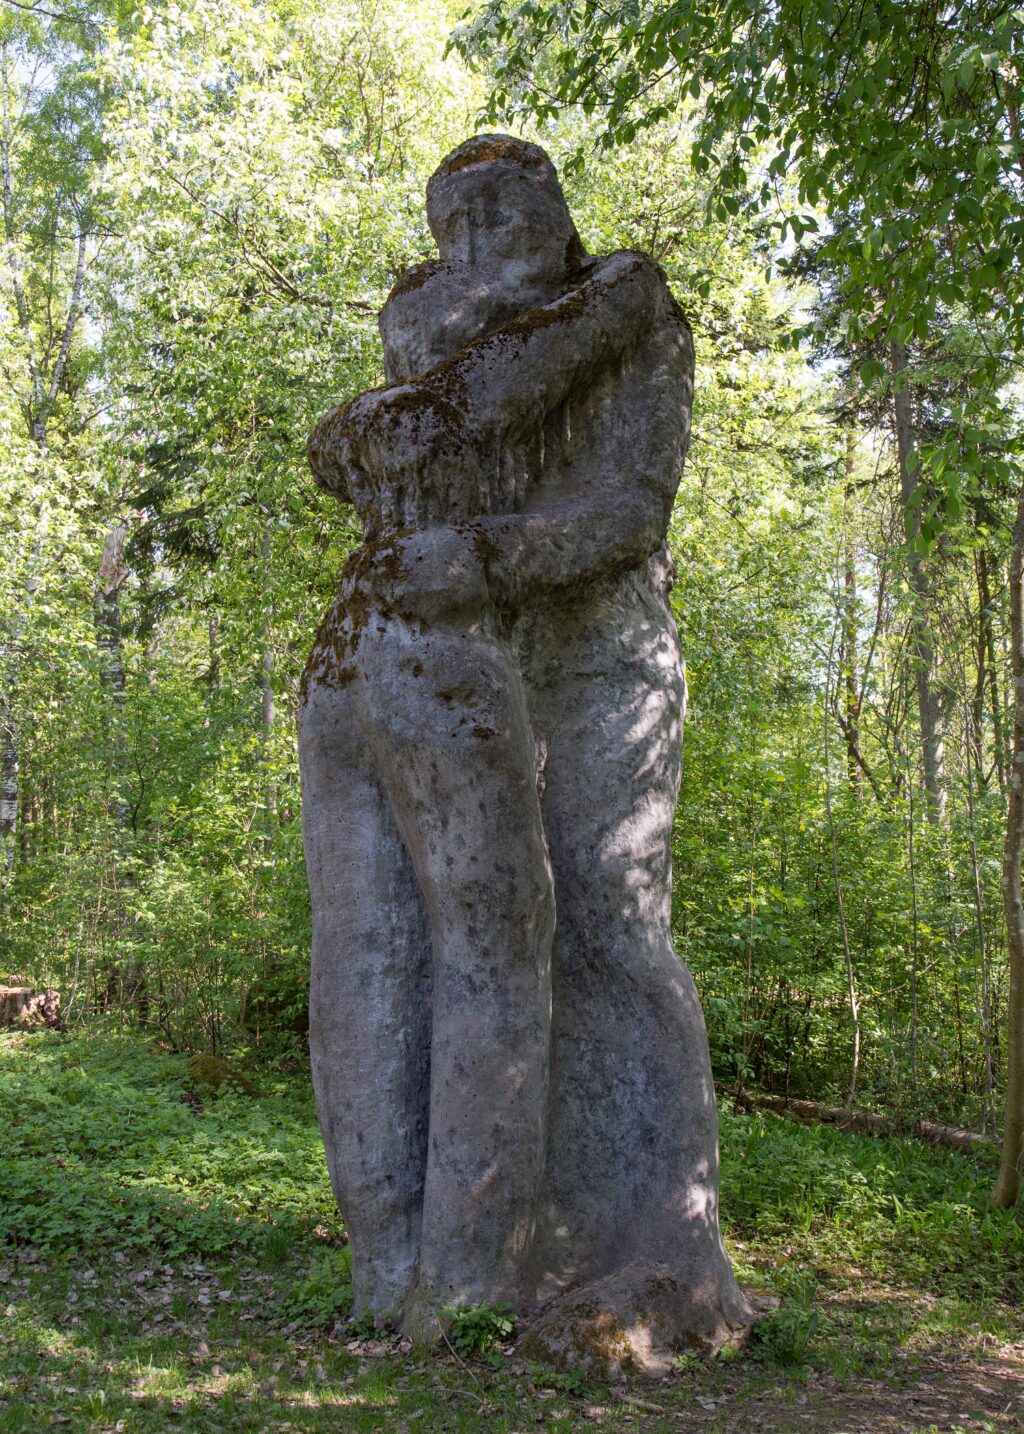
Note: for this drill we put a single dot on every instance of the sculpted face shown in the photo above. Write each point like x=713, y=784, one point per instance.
x=496, y=202
x=506, y=241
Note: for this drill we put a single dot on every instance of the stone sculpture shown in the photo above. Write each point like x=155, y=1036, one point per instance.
x=510, y=1060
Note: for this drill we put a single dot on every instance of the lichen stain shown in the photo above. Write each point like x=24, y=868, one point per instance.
x=332, y=657
x=575, y=254
x=485, y=149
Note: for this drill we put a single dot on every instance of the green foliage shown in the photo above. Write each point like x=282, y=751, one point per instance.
x=884, y=136
x=479, y=1330
x=323, y=1297
x=210, y=1073
x=106, y=1118
x=895, y=1208
x=877, y=1249
x=278, y=1242
x=253, y=173
x=571, y=1381
x=363, y=1326
x=259, y=168
x=785, y=1335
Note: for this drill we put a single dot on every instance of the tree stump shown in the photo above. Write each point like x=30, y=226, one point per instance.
x=25, y=1006
x=14, y=1000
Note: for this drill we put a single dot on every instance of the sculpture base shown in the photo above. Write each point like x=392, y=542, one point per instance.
x=636, y=1322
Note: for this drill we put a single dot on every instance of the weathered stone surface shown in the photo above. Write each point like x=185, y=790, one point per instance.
x=635, y=1321
x=509, y=1057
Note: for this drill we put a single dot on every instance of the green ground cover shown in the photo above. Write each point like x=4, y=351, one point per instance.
x=172, y=1258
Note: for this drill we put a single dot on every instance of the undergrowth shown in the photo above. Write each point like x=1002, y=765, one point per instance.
x=107, y=1118
x=479, y=1330
x=118, y=1176
x=891, y=1207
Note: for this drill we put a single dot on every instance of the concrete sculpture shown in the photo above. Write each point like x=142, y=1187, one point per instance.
x=510, y=1060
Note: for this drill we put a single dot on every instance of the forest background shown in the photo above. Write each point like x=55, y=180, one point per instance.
x=204, y=206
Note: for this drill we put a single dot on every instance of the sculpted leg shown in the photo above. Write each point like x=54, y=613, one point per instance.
x=457, y=754
x=631, y=1189
x=369, y=999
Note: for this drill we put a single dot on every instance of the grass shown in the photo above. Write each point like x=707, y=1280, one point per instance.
x=171, y=1261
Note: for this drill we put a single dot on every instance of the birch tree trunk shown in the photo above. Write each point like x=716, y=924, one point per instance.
x=268, y=710
x=923, y=644
x=113, y=571
x=848, y=657
x=987, y=663
x=844, y=931
x=37, y=389
x=8, y=778
x=1007, y=1186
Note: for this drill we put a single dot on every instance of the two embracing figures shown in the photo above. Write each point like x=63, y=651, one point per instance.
x=510, y=1060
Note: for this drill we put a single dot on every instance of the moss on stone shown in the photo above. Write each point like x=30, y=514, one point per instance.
x=486, y=149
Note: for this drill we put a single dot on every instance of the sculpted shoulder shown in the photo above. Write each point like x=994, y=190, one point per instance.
x=632, y=263
x=670, y=329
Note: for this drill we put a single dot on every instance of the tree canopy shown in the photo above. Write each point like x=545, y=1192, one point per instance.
x=205, y=204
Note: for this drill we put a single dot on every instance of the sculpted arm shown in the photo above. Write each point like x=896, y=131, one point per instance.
x=515, y=376
x=612, y=510
x=510, y=378
x=571, y=545
x=444, y=428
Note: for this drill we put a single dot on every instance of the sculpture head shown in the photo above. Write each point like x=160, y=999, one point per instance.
x=496, y=202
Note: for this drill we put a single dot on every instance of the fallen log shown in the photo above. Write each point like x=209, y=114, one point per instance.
x=864, y=1122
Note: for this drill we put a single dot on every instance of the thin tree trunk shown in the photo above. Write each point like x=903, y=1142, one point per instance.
x=990, y=1039
x=958, y=1008
x=976, y=713
x=267, y=708
x=213, y=639
x=915, y=953
x=152, y=682
x=849, y=631
x=987, y=654
x=36, y=406
x=851, y=985
x=1007, y=1185
x=127, y=977
x=11, y=673
x=929, y=706
x=10, y=678
x=8, y=779
x=108, y=624
x=741, y=1074
x=979, y=927
x=37, y=401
